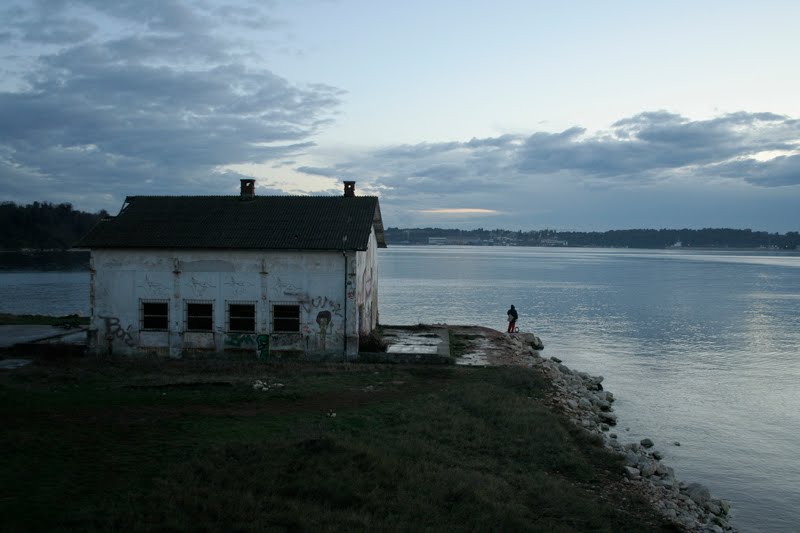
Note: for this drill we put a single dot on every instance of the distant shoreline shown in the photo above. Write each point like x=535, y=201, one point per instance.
x=78, y=260
x=44, y=261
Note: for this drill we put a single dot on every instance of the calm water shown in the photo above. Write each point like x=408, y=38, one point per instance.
x=702, y=348
x=698, y=347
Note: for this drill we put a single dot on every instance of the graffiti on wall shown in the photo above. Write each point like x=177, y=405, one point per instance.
x=114, y=330
x=287, y=289
x=239, y=288
x=238, y=340
x=323, y=320
x=199, y=287
x=262, y=345
x=153, y=288
x=321, y=302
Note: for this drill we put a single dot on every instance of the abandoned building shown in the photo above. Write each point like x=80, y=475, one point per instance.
x=186, y=275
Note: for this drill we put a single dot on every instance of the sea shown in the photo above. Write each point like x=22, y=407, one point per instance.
x=700, y=348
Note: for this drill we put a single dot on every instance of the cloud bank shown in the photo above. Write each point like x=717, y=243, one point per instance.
x=647, y=154
x=127, y=97
x=103, y=99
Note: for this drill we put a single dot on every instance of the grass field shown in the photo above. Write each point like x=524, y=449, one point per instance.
x=95, y=444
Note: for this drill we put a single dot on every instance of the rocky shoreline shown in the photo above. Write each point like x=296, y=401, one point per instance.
x=581, y=398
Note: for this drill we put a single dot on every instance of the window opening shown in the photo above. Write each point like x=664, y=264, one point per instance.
x=285, y=318
x=154, y=315
x=199, y=316
x=242, y=317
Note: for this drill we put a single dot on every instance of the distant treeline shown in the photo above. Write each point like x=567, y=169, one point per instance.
x=631, y=238
x=43, y=226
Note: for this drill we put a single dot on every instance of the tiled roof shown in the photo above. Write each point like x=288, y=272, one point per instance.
x=230, y=222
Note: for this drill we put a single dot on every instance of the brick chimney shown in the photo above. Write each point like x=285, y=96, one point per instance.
x=248, y=189
x=349, y=189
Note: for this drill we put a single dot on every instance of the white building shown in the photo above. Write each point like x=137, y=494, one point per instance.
x=267, y=275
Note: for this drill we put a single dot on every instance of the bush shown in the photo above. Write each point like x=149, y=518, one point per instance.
x=372, y=343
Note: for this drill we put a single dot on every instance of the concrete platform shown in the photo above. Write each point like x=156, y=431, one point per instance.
x=428, y=341
x=30, y=333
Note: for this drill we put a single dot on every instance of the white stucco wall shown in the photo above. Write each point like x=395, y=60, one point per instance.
x=367, y=282
x=328, y=298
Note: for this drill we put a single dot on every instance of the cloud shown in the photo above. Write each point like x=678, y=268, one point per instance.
x=102, y=109
x=522, y=177
x=458, y=211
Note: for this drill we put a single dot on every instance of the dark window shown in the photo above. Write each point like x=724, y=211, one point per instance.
x=155, y=315
x=242, y=317
x=199, y=317
x=286, y=318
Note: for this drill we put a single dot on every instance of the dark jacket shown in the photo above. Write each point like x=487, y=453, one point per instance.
x=513, y=313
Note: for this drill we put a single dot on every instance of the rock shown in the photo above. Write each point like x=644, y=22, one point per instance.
x=712, y=507
x=676, y=443
x=609, y=418
x=603, y=405
x=586, y=404
x=667, y=483
x=612, y=435
x=555, y=359
x=658, y=455
x=604, y=427
x=633, y=446
x=572, y=404
x=631, y=472
x=631, y=459
x=662, y=469
x=564, y=369
x=698, y=493
x=647, y=443
x=647, y=467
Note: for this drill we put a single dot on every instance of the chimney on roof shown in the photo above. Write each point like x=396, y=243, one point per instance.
x=248, y=191
x=349, y=189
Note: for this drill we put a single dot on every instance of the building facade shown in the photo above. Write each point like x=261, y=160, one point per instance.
x=267, y=276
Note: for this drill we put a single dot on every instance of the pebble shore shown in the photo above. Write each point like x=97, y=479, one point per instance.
x=582, y=399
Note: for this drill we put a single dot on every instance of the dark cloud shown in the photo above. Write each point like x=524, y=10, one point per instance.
x=514, y=174
x=167, y=105
x=777, y=172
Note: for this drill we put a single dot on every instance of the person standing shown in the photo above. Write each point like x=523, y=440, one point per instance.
x=512, y=319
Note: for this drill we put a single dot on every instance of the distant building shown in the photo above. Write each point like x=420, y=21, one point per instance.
x=182, y=275
x=437, y=240
x=553, y=242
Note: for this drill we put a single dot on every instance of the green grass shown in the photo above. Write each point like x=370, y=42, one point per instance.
x=93, y=444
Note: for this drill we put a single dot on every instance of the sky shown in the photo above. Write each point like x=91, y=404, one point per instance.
x=578, y=115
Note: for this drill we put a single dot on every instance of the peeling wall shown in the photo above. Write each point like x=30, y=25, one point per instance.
x=329, y=299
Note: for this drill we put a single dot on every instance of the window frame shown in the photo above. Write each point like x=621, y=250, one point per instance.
x=230, y=317
x=285, y=319
x=144, y=316
x=187, y=319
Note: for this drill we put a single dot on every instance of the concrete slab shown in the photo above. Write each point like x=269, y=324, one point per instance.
x=429, y=341
x=11, y=334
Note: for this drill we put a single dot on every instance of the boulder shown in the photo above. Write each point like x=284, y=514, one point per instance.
x=631, y=472
x=658, y=455
x=532, y=340
x=608, y=418
x=647, y=467
x=646, y=443
x=698, y=493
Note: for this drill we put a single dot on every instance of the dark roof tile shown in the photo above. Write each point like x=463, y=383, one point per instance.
x=230, y=222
